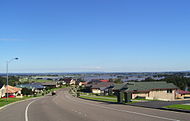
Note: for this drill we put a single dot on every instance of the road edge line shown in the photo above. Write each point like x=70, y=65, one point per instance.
x=17, y=102
x=26, y=110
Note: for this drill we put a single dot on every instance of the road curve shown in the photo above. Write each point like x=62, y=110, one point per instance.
x=64, y=107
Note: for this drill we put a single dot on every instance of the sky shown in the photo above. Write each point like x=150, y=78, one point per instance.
x=95, y=35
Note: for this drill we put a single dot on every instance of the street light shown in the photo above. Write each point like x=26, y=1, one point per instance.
x=7, y=63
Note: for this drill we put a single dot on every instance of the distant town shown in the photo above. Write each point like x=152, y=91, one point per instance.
x=104, y=81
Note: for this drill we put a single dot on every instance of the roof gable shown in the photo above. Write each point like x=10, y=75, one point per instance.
x=11, y=89
x=147, y=86
x=102, y=84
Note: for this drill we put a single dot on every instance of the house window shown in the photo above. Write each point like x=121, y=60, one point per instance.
x=169, y=91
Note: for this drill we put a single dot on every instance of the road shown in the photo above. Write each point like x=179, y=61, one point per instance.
x=64, y=107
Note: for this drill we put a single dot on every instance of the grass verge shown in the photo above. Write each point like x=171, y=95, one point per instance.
x=99, y=99
x=178, y=106
x=4, y=102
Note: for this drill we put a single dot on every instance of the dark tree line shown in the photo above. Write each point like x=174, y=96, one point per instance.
x=180, y=81
x=13, y=80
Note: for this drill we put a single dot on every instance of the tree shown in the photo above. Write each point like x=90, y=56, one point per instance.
x=118, y=81
x=26, y=91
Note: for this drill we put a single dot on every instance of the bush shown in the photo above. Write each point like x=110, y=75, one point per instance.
x=26, y=91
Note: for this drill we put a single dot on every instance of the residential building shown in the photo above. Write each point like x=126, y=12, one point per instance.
x=73, y=82
x=37, y=87
x=2, y=90
x=102, y=88
x=67, y=80
x=82, y=83
x=10, y=90
x=181, y=94
x=148, y=90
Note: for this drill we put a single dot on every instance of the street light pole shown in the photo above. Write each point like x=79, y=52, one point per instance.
x=7, y=64
x=7, y=72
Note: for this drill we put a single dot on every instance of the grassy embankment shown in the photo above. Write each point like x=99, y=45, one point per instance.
x=179, y=106
x=100, y=98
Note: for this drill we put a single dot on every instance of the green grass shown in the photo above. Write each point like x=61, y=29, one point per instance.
x=145, y=99
x=34, y=80
x=99, y=99
x=179, y=106
x=110, y=96
x=3, y=101
x=54, y=89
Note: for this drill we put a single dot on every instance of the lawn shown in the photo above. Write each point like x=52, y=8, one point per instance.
x=34, y=80
x=144, y=99
x=11, y=100
x=54, y=89
x=104, y=98
x=179, y=106
x=99, y=98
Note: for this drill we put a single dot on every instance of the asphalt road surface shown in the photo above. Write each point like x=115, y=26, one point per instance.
x=64, y=107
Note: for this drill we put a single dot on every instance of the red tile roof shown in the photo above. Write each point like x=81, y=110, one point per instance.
x=104, y=80
x=12, y=89
x=183, y=92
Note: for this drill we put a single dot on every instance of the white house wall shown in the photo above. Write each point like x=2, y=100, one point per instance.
x=2, y=91
x=157, y=95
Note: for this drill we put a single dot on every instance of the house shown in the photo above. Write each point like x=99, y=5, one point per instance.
x=148, y=90
x=182, y=94
x=103, y=80
x=73, y=81
x=102, y=87
x=98, y=80
x=70, y=81
x=10, y=90
x=50, y=84
x=37, y=87
x=67, y=80
x=82, y=83
x=2, y=90
x=94, y=81
x=61, y=82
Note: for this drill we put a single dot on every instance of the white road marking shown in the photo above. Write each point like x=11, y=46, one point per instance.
x=1, y=108
x=26, y=110
x=132, y=112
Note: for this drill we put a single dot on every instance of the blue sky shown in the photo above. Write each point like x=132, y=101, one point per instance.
x=95, y=35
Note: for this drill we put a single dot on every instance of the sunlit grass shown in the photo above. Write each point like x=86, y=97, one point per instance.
x=99, y=98
x=4, y=102
x=179, y=106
